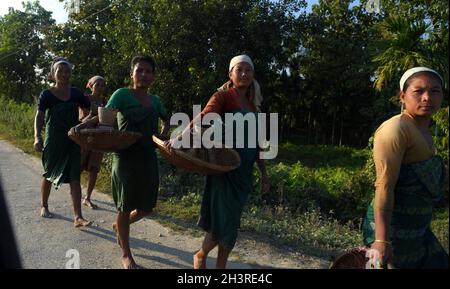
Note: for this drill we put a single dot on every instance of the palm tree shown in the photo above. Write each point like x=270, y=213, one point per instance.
x=402, y=47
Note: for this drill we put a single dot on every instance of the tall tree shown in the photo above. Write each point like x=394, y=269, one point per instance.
x=23, y=58
x=81, y=39
x=336, y=65
x=401, y=48
x=193, y=42
x=413, y=33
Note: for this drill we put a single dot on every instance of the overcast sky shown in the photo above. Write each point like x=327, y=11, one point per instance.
x=59, y=14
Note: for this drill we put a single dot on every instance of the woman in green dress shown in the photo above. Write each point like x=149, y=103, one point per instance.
x=58, y=108
x=225, y=195
x=409, y=178
x=135, y=177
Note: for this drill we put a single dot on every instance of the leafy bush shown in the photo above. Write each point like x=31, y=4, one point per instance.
x=440, y=130
x=346, y=192
x=440, y=137
x=310, y=231
x=439, y=226
x=18, y=117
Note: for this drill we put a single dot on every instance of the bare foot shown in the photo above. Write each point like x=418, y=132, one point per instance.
x=45, y=213
x=80, y=222
x=128, y=263
x=199, y=263
x=114, y=226
x=89, y=204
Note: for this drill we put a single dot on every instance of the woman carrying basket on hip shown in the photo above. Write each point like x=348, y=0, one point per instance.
x=90, y=160
x=225, y=195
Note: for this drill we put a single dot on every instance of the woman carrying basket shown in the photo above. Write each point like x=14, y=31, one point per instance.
x=61, y=156
x=409, y=177
x=135, y=177
x=225, y=195
x=91, y=161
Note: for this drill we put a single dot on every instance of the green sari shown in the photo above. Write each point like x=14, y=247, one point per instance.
x=414, y=245
x=225, y=196
x=61, y=156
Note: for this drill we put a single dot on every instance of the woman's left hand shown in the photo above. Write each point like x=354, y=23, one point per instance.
x=76, y=129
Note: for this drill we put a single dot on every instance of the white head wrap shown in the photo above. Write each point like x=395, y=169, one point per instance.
x=92, y=80
x=415, y=70
x=58, y=62
x=238, y=59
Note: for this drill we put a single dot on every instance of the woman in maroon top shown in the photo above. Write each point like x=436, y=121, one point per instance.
x=91, y=161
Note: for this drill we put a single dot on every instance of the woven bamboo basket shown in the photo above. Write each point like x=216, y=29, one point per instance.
x=104, y=139
x=206, y=161
x=353, y=259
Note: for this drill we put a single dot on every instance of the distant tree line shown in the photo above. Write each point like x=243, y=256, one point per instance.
x=331, y=74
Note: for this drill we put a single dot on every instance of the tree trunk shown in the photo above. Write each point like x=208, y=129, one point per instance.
x=309, y=127
x=316, y=129
x=288, y=126
x=333, y=128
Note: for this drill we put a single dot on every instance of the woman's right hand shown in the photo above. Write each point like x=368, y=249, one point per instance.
x=385, y=253
x=168, y=144
x=38, y=146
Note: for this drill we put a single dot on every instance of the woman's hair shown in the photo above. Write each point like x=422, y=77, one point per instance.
x=143, y=58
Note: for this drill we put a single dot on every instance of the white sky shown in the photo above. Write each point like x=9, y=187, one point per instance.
x=59, y=13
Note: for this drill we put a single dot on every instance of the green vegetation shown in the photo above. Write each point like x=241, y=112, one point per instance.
x=311, y=231
x=16, y=123
x=317, y=70
x=316, y=204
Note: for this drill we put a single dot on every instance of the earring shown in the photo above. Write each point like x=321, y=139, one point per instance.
x=402, y=107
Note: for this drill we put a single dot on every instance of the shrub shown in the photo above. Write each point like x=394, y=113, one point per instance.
x=18, y=117
x=311, y=231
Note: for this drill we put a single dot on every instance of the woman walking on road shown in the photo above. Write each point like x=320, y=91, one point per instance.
x=135, y=175
x=90, y=160
x=226, y=194
x=58, y=109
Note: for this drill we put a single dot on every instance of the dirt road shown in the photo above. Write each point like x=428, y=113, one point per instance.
x=55, y=243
